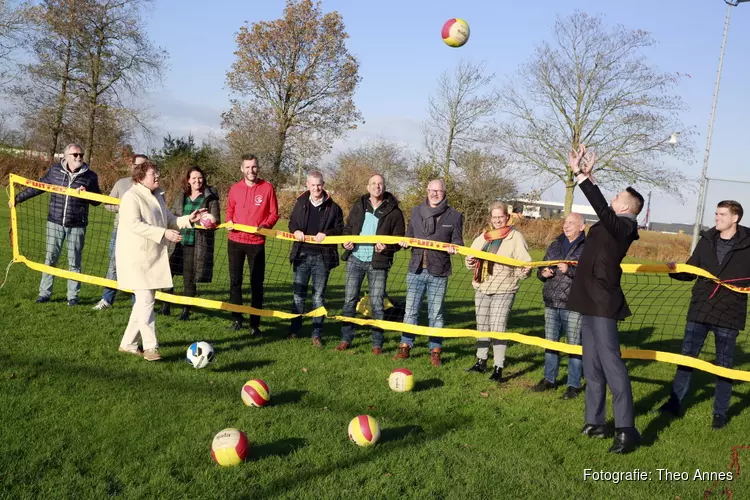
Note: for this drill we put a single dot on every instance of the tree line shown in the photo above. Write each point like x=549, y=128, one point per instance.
x=74, y=70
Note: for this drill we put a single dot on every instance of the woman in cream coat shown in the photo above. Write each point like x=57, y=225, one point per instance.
x=141, y=255
x=496, y=285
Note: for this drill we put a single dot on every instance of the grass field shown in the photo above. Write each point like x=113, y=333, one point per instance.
x=81, y=420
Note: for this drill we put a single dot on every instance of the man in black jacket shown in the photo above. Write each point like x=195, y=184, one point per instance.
x=375, y=213
x=597, y=295
x=314, y=214
x=67, y=217
x=428, y=270
x=723, y=251
x=558, y=319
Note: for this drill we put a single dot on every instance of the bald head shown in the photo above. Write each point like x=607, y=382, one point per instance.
x=376, y=187
x=573, y=226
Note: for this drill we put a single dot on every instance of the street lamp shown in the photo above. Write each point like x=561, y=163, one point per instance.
x=704, y=183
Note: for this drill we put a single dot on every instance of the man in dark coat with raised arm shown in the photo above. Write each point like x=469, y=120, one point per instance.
x=597, y=295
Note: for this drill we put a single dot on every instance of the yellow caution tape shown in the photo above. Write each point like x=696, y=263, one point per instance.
x=661, y=356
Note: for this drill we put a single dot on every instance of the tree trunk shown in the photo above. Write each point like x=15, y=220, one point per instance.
x=449, y=151
x=570, y=187
x=278, y=154
x=61, y=103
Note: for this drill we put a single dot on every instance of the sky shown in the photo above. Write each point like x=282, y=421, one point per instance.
x=401, y=55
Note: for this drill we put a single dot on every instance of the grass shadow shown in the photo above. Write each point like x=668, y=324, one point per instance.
x=400, y=433
x=287, y=397
x=426, y=385
x=243, y=366
x=280, y=448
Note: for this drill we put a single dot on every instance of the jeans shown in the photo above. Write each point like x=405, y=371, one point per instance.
x=556, y=323
x=256, y=262
x=109, y=293
x=416, y=286
x=56, y=235
x=695, y=336
x=308, y=266
x=356, y=270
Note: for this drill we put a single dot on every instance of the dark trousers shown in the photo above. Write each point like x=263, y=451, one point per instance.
x=695, y=336
x=603, y=366
x=188, y=270
x=256, y=262
x=309, y=267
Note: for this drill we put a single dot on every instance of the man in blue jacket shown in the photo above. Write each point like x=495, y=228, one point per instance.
x=428, y=270
x=67, y=217
x=558, y=281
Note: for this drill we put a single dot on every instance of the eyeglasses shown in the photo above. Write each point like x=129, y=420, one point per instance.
x=435, y=191
x=152, y=174
x=76, y=155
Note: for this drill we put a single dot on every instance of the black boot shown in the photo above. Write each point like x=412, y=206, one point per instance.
x=480, y=366
x=166, y=309
x=626, y=439
x=497, y=374
x=185, y=314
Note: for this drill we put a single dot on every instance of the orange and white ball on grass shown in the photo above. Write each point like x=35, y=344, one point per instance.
x=456, y=32
x=401, y=380
x=229, y=447
x=256, y=393
x=364, y=430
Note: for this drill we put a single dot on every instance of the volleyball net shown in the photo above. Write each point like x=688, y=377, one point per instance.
x=654, y=331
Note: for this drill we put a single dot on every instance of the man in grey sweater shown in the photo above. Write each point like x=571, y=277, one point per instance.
x=119, y=189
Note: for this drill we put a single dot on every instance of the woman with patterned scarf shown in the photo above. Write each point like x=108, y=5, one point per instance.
x=496, y=284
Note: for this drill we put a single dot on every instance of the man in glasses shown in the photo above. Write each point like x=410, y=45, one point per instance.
x=119, y=189
x=67, y=217
x=428, y=270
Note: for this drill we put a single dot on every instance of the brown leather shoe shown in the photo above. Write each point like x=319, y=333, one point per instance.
x=377, y=351
x=342, y=346
x=403, y=351
x=317, y=342
x=435, y=356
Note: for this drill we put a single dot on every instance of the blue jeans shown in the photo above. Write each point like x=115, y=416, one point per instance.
x=416, y=286
x=376, y=278
x=695, y=336
x=556, y=323
x=308, y=266
x=56, y=235
x=109, y=293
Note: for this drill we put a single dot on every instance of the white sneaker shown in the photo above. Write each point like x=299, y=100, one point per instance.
x=102, y=304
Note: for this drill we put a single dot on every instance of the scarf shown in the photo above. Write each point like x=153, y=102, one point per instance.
x=493, y=238
x=430, y=214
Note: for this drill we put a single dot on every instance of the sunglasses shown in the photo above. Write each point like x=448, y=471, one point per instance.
x=76, y=155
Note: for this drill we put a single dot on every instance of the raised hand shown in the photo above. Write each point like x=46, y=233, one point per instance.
x=575, y=157
x=588, y=163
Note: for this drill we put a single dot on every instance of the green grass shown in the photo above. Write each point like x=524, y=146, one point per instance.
x=80, y=420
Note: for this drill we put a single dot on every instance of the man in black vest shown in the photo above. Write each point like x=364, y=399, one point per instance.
x=723, y=251
x=314, y=214
x=597, y=295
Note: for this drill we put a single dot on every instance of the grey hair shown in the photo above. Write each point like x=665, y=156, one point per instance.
x=581, y=219
x=71, y=146
x=316, y=174
x=441, y=181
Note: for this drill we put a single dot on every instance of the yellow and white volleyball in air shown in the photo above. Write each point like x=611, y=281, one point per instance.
x=456, y=32
x=401, y=380
x=364, y=430
x=256, y=393
x=229, y=447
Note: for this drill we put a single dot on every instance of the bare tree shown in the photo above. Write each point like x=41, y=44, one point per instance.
x=457, y=112
x=12, y=24
x=297, y=71
x=116, y=59
x=351, y=169
x=594, y=86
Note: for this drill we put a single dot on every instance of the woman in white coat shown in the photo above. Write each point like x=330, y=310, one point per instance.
x=141, y=255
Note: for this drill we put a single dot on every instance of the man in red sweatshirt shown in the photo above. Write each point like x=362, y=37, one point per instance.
x=252, y=202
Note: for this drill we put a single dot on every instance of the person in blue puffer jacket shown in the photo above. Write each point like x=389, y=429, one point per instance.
x=67, y=217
